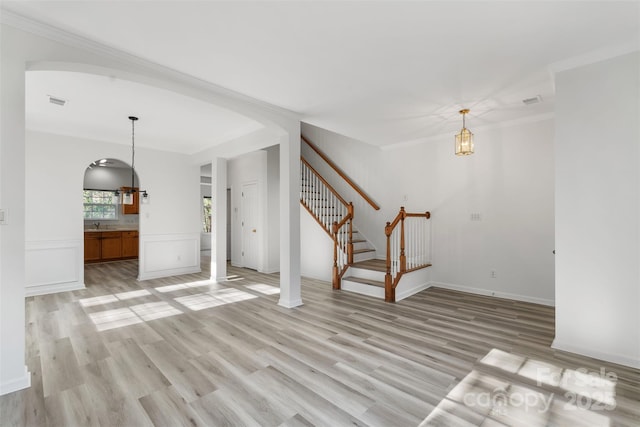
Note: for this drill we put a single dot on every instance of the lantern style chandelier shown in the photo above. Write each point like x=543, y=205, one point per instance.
x=464, y=139
x=128, y=196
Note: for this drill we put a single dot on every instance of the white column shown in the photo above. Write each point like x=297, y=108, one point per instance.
x=219, y=219
x=290, y=219
x=13, y=372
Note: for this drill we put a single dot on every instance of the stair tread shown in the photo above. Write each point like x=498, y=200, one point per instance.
x=358, y=241
x=364, y=281
x=371, y=264
x=361, y=251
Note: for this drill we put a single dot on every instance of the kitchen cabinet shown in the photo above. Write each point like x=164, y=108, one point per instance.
x=135, y=207
x=130, y=244
x=92, y=246
x=110, y=245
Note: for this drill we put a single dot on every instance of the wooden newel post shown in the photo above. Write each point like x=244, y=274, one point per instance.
x=389, y=292
x=336, y=273
x=350, y=242
x=403, y=257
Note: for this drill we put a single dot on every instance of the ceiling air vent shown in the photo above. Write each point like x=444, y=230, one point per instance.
x=530, y=101
x=57, y=101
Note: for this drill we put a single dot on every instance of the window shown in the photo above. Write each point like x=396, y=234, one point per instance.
x=100, y=204
x=206, y=214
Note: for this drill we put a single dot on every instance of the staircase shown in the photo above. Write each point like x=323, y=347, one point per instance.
x=408, y=234
x=363, y=250
x=366, y=277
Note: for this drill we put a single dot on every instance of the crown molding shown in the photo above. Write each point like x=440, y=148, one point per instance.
x=50, y=32
x=594, y=56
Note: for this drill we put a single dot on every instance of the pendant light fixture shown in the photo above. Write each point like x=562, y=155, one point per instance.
x=464, y=139
x=127, y=197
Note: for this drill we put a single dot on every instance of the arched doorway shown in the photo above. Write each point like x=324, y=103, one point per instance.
x=110, y=224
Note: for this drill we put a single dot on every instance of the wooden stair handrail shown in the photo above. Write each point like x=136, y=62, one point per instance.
x=339, y=171
x=390, y=283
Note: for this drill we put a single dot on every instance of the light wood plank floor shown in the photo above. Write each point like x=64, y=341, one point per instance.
x=188, y=351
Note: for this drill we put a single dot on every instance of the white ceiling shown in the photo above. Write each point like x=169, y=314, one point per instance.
x=384, y=72
x=98, y=107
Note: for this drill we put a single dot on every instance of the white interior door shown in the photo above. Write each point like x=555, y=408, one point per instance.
x=250, y=225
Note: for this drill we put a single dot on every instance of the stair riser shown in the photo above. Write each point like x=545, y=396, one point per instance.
x=360, y=245
x=367, y=274
x=364, y=256
x=361, y=288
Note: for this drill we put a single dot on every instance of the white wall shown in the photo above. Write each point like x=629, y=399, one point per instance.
x=13, y=371
x=508, y=181
x=597, y=210
x=316, y=249
x=169, y=225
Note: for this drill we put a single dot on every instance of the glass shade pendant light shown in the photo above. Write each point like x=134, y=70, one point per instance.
x=464, y=139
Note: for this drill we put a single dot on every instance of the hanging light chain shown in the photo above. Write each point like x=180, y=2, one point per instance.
x=133, y=151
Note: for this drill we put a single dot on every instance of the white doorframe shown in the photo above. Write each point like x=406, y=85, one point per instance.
x=250, y=224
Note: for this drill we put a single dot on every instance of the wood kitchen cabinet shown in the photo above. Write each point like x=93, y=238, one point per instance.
x=111, y=245
x=92, y=250
x=130, y=244
x=135, y=207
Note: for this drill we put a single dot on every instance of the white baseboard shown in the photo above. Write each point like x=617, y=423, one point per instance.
x=290, y=304
x=32, y=291
x=158, y=274
x=24, y=381
x=490, y=293
x=600, y=355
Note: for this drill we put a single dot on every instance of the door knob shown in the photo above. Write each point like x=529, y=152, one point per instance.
x=254, y=230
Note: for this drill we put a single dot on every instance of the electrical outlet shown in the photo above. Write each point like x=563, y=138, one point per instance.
x=492, y=274
x=4, y=216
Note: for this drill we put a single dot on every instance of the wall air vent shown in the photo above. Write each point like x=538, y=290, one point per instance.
x=57, y=101
x=530, y=101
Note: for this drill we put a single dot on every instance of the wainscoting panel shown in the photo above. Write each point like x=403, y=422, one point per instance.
x=54, y=266
x=164, y=255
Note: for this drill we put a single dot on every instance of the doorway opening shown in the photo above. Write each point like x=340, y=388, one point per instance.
x=111, y=227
